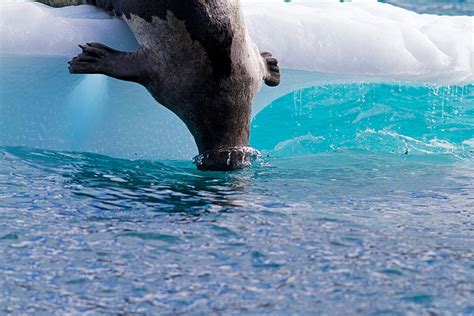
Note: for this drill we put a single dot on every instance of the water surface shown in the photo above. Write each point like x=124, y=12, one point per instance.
x=325, y=233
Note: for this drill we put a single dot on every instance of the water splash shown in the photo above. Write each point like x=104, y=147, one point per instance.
x=241, y=155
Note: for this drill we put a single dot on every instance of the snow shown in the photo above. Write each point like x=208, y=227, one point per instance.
x=363, y=39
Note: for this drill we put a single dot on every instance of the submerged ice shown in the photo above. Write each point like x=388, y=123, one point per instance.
x=330, y=51
x=55, y=111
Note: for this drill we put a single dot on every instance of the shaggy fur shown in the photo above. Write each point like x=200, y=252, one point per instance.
x=196, y=59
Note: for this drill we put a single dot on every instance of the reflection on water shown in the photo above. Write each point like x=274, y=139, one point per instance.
x=128, y=185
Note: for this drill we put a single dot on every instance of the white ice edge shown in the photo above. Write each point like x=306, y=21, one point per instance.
x=360, y=40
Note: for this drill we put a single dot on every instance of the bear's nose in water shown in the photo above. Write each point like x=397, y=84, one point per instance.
x=227, y=158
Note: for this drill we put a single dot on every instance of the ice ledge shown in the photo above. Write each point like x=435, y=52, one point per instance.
x=367, y=40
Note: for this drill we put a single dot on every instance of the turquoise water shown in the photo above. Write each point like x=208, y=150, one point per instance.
x=383, y=118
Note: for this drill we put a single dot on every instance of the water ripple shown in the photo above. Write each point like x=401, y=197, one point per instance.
x=327, y=233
